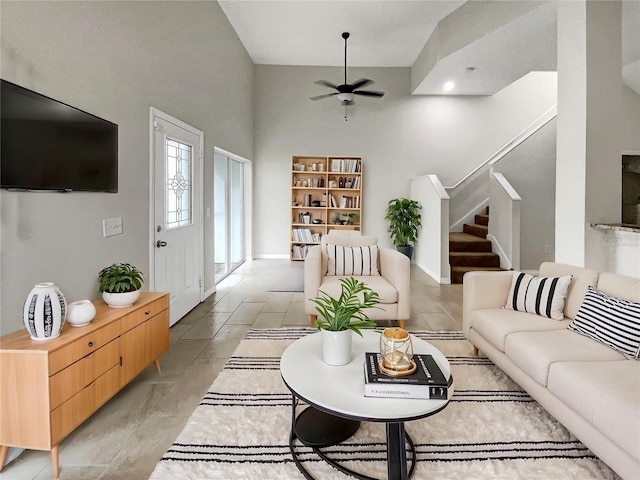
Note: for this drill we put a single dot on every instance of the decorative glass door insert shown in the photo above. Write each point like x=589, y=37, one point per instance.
x=179, y=162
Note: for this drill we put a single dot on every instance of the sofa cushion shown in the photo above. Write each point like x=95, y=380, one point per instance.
x=495, y=324
x=620, y=286
x=540, y=295
x=535, y=352
x=388, y=294
x=605, y=394
x=612, y=321
x=582, y=278
x=361, y=260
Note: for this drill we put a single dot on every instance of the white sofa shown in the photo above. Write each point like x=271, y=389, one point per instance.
x=392, y=284
x=593, y=390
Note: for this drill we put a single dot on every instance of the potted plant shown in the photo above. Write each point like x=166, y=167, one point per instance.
x=120, y=284
x=403, y=216
x=350, y=217
x=341, y=316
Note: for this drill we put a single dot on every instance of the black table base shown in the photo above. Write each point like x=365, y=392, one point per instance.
x=317, y=429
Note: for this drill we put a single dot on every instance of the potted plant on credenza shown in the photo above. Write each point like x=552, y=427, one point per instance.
x=120, y=284
x=340, y=317
x=403, y=216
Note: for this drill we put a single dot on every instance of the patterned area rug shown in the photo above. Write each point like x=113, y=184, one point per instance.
x=490, y=430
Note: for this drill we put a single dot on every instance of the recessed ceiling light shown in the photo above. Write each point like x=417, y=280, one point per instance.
x=448, y=86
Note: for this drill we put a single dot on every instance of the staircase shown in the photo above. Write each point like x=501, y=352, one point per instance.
x=470, y=250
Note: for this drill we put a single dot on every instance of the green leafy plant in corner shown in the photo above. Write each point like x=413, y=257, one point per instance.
x=120, y=278
x=346, y=311
x=403, y=216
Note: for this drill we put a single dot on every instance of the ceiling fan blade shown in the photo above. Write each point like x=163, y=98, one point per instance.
x=367, y=93
x=324, y=83
x=361, y=83
x=320, y=97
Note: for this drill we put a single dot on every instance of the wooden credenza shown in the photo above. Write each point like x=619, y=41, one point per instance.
x=49, y=388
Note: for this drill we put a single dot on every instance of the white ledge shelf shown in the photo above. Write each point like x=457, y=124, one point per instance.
x=622, y=227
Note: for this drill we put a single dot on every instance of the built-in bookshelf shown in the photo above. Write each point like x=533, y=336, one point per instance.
x=326, y=194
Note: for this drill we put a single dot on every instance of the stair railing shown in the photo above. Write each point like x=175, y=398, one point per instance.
x=431, y=252
x=529, y=130
x=504, y=221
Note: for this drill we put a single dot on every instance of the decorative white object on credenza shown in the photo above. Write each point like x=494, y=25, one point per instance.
x=45, y=310
x=80, y=313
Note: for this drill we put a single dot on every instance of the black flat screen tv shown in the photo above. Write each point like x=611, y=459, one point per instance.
x=48, y=145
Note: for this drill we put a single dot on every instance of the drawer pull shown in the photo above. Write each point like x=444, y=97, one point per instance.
x=91, y=344
x=147, y=312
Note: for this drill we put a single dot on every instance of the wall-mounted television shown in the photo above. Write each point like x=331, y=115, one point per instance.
x=49, y=145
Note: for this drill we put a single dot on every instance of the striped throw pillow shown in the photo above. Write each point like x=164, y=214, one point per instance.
x=540, y=295
x=352, y=260
x=609, y=320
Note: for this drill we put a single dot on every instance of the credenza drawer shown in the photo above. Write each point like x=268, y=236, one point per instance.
x=78, y=408
x=83, y=346
x=142, y=314
x=66, y=383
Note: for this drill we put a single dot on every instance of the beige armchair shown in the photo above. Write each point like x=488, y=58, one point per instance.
x=392, y=282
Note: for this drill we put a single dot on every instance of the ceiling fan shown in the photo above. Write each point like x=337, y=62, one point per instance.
x=346, y=92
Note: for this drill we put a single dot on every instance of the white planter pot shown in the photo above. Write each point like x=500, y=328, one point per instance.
x=336, y=346
x=120, y=300
x=80, y=313
x=45, y=310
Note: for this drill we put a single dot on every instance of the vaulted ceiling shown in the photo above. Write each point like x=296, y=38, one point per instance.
x=481, y=46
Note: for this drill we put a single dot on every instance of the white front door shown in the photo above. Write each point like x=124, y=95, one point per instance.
x=177, y=204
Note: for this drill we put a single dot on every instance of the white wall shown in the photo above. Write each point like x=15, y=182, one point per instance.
x=115, y=60
x=400, y=137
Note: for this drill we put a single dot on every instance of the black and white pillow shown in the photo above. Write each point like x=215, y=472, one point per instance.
x=352, y=260
x=540, y=295
x=609, y=320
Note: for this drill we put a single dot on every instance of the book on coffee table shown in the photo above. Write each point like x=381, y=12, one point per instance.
x=427, y=382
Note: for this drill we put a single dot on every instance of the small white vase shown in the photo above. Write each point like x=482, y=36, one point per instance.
x=80, y=313
x=45, y=310
x=120, y=300
x=336, y=346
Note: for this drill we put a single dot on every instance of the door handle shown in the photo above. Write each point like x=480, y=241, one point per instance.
x=161, y=243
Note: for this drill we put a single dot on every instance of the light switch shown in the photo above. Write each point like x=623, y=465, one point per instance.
x=112, y=226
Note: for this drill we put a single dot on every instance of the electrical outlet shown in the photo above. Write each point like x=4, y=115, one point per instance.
x=547, y=249
x=112, y=226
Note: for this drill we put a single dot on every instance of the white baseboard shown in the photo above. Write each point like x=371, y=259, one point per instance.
x=504, y=261
x=437, y=278
x=271, y=256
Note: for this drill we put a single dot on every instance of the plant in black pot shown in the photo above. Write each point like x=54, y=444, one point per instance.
x=120, y=284
x=403, y=216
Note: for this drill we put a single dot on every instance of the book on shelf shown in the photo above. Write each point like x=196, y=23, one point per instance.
x=345, y=165
x=427, y=382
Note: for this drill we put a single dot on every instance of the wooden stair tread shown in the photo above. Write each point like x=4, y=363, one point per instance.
x=465, y=237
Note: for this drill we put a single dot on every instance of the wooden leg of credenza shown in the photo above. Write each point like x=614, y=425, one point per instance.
x=156, y=362
x=55, y=461
x=475, y=351
x=401, y=323
x=312, y=319
x=4, y=450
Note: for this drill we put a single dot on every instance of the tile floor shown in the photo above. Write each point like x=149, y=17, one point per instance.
x=127, y=436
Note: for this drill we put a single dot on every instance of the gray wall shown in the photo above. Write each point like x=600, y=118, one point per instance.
x=400, y=137
x=115, y=60
x=530, y=169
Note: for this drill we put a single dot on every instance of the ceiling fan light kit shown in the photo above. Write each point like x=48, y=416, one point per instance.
x=346, y=92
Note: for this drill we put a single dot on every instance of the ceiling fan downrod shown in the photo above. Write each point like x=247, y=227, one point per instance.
x=345, y=35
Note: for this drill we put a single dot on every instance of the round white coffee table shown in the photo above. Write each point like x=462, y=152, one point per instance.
x=338, y=404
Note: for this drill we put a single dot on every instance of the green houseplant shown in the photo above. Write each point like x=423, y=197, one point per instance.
x=120, y=284
x=403, y=216
x=341, y=316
